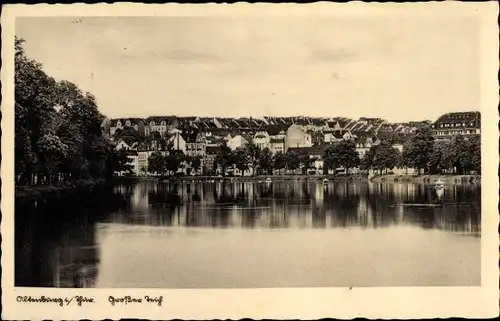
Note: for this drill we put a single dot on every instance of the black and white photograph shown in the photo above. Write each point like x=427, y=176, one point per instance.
x=248, y=152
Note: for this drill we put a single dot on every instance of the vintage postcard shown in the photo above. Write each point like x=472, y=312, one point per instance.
x=250, y=161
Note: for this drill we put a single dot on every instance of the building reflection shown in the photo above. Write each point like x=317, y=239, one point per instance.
x=56, y=242
x=298, y=204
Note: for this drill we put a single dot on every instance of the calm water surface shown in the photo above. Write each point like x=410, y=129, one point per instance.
x=222, y=235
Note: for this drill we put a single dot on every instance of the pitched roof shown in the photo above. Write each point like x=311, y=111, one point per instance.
x=471, y=119
x=133, y=121
x=274, y=130
x=168, y=119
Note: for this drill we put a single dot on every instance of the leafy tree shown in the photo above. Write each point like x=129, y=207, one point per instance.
x=279, y=161
x=331, y=158
x=349, y=157
x=52, y=153
x=418, y=149
x=254, y=153
x=462, y=154
x=57, y=128
x=223, y=158
x=266, y=160
x=156, y=163
x=292, y=160
x=172, y=162
x=120, y=162
x=306, y=163
x=475, y=152
x=441, y=158
x=343, y=154
x=241, y=159
x=195, y=163
x=384, y=156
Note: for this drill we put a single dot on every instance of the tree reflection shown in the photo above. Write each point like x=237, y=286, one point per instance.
x=55, y=238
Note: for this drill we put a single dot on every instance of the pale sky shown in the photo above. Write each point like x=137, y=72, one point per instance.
x=398, y=69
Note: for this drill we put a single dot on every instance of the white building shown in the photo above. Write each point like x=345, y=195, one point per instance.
x=261, y=139
x=296, y=137
x=237, y=142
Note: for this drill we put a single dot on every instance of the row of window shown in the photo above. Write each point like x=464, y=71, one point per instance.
x=452, y=132
x=455, y=125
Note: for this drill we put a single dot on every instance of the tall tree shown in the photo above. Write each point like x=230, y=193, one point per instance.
x=242, y=159
x=195, y=163
x=384, y=156
x=343, y=154
x=462, y=154
x=279, y=161
x=254, y=153
x=292, y=160
x=156, y=163
x=418, y=148
x=223, y=159
x=57, y=128
x=475, y=151
x=306, y=163
x=348, y=156
x=265, y=161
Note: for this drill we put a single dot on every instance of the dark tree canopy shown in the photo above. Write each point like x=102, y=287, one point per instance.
x=58, y=134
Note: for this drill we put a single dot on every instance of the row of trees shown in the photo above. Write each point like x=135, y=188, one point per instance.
x=421, y=151
x=458, y=155
x=169, y=164
x=58, y=133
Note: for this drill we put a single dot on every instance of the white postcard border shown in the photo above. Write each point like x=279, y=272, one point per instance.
x=279, y=303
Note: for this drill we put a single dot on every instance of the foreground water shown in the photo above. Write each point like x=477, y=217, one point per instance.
x=222, y=235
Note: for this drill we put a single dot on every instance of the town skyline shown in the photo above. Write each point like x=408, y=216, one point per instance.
x=398, y=70
x=286, y=116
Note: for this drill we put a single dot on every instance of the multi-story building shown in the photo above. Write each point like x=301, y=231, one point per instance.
x=237, y=142
x=195, y=149
x=277, y=145
x=262, y=139
x=464, y=123
x=160, y=124
x=143, y=161
x=363, y=145
x=121, y=123
x=296, y=137
x=209, y=161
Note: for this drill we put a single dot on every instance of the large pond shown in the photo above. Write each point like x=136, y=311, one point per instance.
x=224, y=235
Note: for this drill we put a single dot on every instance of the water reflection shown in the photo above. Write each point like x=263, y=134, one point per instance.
x=302, y=205
x=59, y=241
